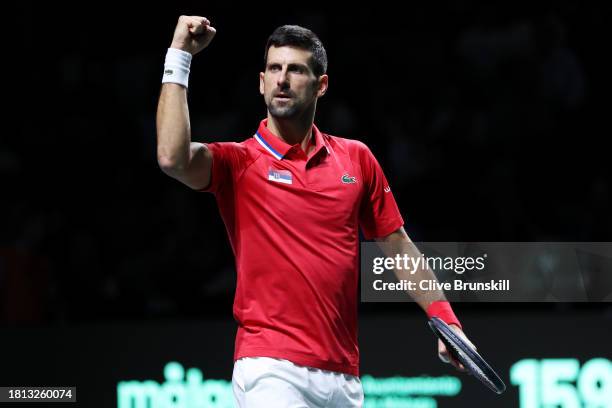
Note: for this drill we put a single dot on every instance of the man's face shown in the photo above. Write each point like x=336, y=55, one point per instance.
x=288, y=84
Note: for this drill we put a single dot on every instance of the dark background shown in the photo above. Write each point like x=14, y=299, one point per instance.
x=490, y=121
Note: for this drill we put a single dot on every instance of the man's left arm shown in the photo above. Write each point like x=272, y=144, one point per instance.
x=433, y=302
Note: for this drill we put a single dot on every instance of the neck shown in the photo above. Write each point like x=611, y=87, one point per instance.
x=293, y=130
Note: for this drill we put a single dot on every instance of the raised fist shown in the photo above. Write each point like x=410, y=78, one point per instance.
x=192, y=34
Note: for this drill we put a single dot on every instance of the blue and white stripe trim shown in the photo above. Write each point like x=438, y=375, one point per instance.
x=266, y=146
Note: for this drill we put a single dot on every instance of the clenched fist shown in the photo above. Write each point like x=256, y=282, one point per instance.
x=192, y=34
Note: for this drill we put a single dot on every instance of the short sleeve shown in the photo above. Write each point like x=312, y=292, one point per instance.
x=227, y=162
x=379, y=215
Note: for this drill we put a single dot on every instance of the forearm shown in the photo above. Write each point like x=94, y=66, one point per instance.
x=173, y=128
x=399, y=243
x=433, y=301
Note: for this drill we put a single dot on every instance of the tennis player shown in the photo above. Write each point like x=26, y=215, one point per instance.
x=292, y=199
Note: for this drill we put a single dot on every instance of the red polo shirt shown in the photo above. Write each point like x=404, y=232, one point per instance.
x=293, y=222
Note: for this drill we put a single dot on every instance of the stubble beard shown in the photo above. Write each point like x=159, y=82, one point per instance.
x=286, y=111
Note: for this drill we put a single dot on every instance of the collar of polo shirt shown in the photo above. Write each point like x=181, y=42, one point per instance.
x=280, y=149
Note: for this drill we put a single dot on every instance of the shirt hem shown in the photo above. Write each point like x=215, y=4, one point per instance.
x=299, y=359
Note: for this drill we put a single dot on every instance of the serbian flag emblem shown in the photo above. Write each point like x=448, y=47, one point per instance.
x=280, y=176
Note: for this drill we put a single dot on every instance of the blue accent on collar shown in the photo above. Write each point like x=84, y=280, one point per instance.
x=267, y=145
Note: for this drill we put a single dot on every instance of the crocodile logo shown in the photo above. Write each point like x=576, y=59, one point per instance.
x=346, y=179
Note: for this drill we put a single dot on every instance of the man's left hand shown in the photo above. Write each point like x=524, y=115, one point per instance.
x=446, y=356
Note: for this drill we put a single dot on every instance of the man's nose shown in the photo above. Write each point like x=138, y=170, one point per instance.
x=283, y=78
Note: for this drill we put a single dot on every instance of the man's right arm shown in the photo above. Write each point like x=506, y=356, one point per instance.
x=177, y=156
x=189, y=162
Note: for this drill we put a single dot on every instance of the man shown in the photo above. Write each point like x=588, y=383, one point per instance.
x=292, y=199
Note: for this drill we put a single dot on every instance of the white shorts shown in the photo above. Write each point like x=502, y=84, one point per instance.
x=264, y=382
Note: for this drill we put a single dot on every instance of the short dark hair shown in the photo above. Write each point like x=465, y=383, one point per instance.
x=303, y=38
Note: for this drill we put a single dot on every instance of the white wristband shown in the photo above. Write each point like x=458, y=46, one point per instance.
x=176, y=67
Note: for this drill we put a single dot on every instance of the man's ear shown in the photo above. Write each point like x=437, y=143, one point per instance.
x=323, y=85
x=261, y=83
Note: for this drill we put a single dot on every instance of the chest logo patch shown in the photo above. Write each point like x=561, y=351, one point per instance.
x=280, y=176
x=346, y=179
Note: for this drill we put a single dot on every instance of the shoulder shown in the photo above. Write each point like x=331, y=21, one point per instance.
x=246, y=147
x=242, y=153
x=243, y=145
x=356, y=149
